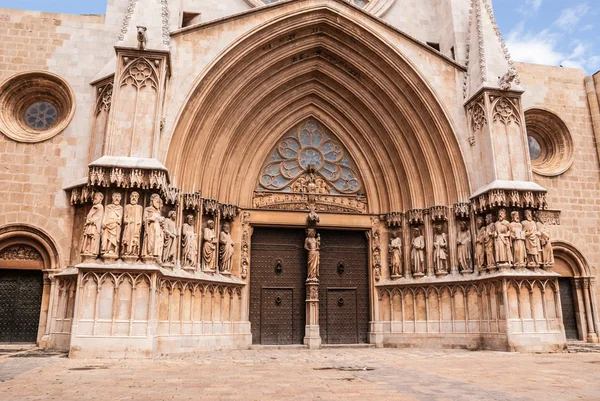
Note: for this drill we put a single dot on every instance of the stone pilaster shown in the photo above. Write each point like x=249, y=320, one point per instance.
x=312, y=338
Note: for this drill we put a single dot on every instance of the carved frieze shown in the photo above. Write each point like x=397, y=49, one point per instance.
x=550, y=217
x=509, y=198
x=462, y=210
x=211, y=206
x=229, y=212
x=439, y=213
x=192, y=201
x=300, y=202
x=415, y=216
x=505, y=110
x=376, y=247
x=20, y=252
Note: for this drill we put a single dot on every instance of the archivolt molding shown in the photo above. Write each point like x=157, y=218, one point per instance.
x=390, y=122
x=575, y=259
x=23, y=242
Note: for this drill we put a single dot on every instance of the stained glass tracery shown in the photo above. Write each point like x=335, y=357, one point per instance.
x=308, y=159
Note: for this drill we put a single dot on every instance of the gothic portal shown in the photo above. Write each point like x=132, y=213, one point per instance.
x=209, y=176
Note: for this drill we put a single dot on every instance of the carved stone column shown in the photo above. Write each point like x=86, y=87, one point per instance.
x=594, y=306
x=312, y=337
x=428, y=244
x=592, y=336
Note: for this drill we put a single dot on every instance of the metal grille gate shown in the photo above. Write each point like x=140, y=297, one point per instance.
x=20, y=304
x=277, y=292
x=568, y=308
x=344, y=290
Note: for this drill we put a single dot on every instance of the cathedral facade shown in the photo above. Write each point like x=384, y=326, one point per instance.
x=194, y=175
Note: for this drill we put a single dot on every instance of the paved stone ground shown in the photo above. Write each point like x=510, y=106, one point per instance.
x=300, y=374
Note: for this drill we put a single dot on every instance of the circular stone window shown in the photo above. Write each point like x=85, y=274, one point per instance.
x=550, y=143
x=35, y=106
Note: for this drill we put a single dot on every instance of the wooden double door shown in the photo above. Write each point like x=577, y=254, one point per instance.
x=20, y=305
x=277, y=286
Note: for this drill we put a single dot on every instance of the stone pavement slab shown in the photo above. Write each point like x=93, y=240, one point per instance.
x=302, y=374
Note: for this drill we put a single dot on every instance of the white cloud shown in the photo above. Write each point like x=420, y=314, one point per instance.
x=541, y=48
x=530, y=7
x=569, y=17
x=587, y=27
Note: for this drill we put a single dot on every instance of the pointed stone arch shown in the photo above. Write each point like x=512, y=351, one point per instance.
x=318, y=62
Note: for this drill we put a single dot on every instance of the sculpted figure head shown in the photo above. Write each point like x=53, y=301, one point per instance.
x=502, y=214
x=463, y=224
x=515, y=216
x=311, y=232
x=189, y=219
x=116, y=198
x=416, y=232
x=172, y=215
x=528, y=215
x=489, y=219
x=226, y=227
x=396, y=234
x=438, y=228
x=98, y=198
x=479, y=222
x=156, y=201
x=210, y=224
x=134, y=198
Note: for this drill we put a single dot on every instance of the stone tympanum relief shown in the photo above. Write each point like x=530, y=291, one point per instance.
x=209, y=246
x=111, y=227
x=170, y=234
x=312, y=244
x=153, y=232
x=226, y=249
x=312, y=169
x=189, y=244
x=90, y=244
x=395, y=251
x=132, y=228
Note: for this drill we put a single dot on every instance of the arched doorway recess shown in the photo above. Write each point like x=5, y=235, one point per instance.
x=578, y=298
x=27, y=255
x=321, y=64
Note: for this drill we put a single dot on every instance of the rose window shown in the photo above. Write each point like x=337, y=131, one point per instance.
x=41, y=116
x=308, y=153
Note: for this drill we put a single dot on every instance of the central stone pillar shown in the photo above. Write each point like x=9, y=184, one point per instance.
x=312, y=338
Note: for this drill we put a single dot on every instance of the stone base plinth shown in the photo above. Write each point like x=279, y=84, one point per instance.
x=312, y=337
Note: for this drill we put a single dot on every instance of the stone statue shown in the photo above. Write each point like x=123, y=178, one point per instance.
x=463, y=240
x=479, y=244
x=170, y=234
x=490, y=234
x=133, y=226
x=546, y=245
x=209, y=247
x=153, y=233
x=142, y=37
x=440, y=248
x=518, y=240
x=312, y=244
x=90, y=244
x=502, y=242
x=417, y=253
x=532, y=240
x=111, y=227
x=396, y=254
x=189, y=242
x=226, y=249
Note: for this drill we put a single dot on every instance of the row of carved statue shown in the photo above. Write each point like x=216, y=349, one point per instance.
x=133, y=232
x=498, y=244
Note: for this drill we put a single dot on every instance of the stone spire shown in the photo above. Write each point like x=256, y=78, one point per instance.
x=488, y=60
x=153, y=15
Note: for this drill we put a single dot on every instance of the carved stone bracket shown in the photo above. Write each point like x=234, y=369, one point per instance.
x=509, y=198
x=211, y=206
x=462, y=210
x=192, y=201
x=394, y=219
x=439, y=213
x=549, y=217
x=229, y=212
x=415, y=216
x=82, y=194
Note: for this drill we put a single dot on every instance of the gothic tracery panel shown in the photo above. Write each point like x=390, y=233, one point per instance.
x=309, y=160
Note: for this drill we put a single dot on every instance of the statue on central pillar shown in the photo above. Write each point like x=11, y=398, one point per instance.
x=313, y=245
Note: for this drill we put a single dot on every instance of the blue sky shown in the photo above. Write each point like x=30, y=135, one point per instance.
x=555, y=32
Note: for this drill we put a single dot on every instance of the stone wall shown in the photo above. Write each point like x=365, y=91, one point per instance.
x=576, y=193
